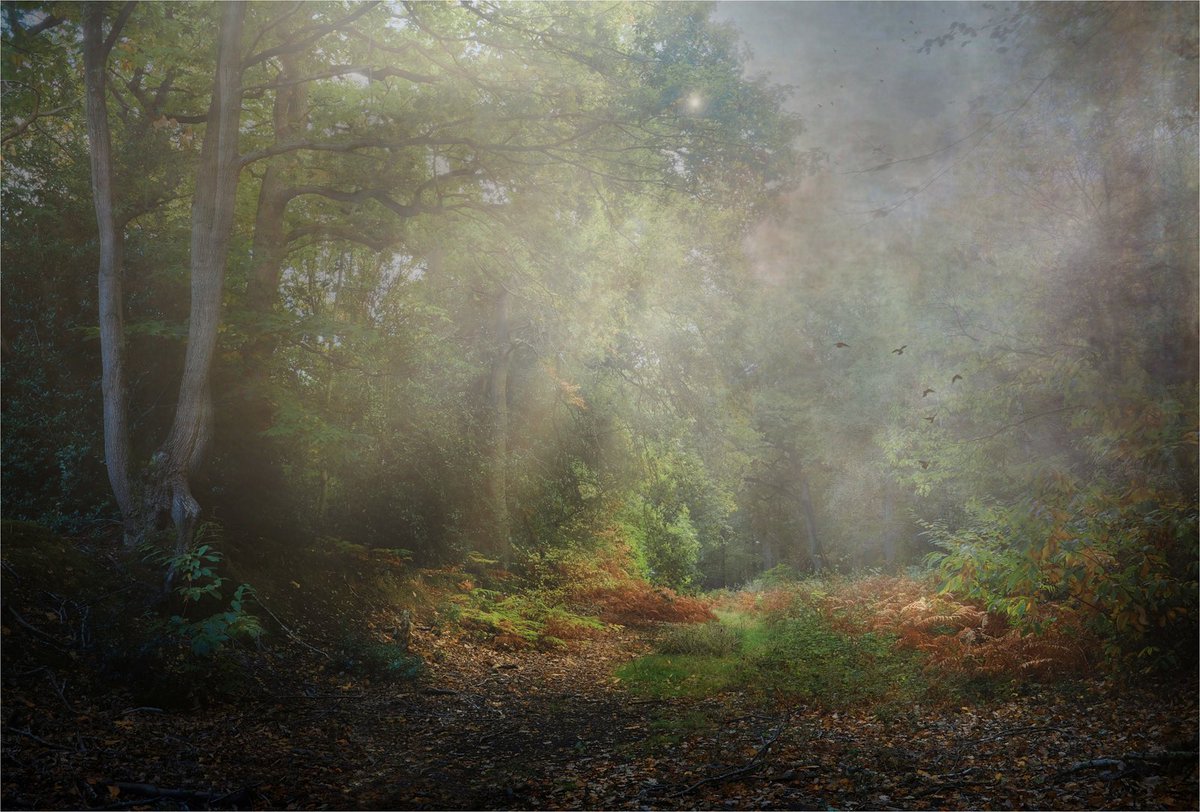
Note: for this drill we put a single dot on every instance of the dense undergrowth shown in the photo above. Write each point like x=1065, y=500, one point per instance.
x=836, y=641
x=232, y=604
x=885, y=641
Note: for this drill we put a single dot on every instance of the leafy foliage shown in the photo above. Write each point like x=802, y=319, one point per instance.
x=200, y=583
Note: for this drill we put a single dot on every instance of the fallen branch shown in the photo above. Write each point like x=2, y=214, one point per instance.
x=750, y=766
x=27, y=734
x=38, y=634
x=291, y=633
x=1122, y=764
x=150, y=792
x=946, y=785
x=1017, y=731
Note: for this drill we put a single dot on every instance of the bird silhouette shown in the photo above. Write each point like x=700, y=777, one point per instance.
x=841, y=344
x=928, y=392
x=899, y=350
x=924, y=464
x=956, y=378
x=930, y=418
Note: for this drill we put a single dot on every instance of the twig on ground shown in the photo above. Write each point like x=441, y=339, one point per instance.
x=749, y=767
x=150, y=793
x=38, y=634
x=60, y=689
x=11, y=571
x=947, y=785
x=292, y=634
x=1123, y=764
x=1017, y=731
x=27, y=734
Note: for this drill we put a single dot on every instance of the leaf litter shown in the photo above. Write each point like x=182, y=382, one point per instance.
x=526, y=729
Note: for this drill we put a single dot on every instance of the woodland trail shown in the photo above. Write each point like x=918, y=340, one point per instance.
x=489, y=729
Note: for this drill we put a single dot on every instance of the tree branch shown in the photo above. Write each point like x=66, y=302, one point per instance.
x=373, y=74
x=45, y=24
x=119, y=23
x=309, y=37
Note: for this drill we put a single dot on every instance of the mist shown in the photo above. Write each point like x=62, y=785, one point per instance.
x=815, y=366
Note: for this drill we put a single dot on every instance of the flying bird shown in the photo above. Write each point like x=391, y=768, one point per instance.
x=928, y=392
x=930, y=418
x=924, y=464
x=842, y=344
x=956, y=378
x=899, y=350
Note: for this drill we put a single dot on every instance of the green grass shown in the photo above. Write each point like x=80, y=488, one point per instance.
x=797, y=657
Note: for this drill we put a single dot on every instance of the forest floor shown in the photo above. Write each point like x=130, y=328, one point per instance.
x=483, y=727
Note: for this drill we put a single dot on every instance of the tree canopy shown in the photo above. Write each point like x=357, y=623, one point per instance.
x=512, y=278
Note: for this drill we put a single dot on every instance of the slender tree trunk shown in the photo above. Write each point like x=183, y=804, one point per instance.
x=770, y=555
x=889, y=528
x=497, y=534
x=112, y=323
x=816, y=553
x=252, y=462
x=212, y=223
x=289, y=114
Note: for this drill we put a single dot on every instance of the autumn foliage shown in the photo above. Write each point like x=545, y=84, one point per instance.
x=609, y=587
x=957, y=637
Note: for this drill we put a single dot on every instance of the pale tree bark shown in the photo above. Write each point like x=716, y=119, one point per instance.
x=96, y=48
x=212, y=224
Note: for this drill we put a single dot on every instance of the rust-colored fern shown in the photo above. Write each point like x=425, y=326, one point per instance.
x=956, y=637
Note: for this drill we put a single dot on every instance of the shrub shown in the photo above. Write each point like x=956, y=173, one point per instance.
x=636, y=603
x=199, y=582
x=380, y=659
x=711, y=639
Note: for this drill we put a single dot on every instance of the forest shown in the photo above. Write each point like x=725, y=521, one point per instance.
x=412, y=404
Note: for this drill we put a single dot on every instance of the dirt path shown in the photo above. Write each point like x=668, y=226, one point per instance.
x=532, y=730
x=515, y=725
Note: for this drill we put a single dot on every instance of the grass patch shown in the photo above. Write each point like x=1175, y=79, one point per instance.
x=798, y=656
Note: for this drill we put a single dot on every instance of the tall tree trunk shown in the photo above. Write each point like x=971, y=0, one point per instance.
x=96, y=48
x=289, y=115
x=496, y=534
x=816, y=553
x=889, y=527
x=254, y=466
x=212, y=224
x=770, y=528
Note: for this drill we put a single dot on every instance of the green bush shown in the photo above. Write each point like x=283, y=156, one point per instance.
x=196, y=570
x=373, y=658
x=667, y=548
x=777, y=576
